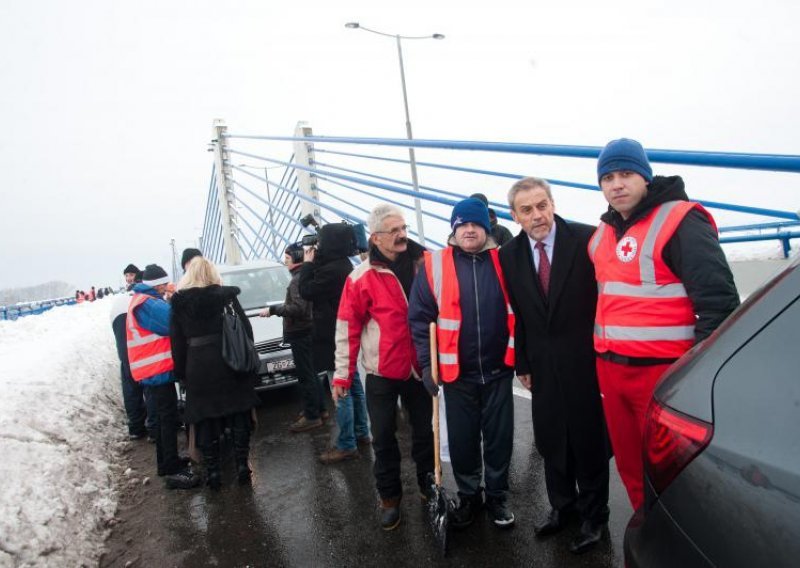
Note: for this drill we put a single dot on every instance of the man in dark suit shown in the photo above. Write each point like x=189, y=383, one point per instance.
x=553, y=293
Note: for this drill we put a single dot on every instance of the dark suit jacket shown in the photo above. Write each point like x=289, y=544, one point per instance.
x=554, y=344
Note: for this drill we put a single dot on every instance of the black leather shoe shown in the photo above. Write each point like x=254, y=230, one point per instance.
x=390, y=513
x=553, y=523
x=464, y=515
x=588, y=537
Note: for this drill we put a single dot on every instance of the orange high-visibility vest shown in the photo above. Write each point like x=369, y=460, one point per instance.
x=440, y=268
x=642, y=307
x=149, y=354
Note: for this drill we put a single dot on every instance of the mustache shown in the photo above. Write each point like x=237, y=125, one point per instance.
x=401, y=241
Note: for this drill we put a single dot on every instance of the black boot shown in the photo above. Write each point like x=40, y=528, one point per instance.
x=241, y=447
x=211, y=463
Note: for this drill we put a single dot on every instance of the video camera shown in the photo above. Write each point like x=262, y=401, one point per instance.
x=311, y=239
x=358, y=235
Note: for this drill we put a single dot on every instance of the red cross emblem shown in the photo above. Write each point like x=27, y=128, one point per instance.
x=626, y=249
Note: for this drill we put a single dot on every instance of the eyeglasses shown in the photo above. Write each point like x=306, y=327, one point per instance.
x=394, y=232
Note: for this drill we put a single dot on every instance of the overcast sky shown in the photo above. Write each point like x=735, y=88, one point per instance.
x=107, y=107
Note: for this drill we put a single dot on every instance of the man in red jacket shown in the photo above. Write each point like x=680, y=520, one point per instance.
x=373, y=320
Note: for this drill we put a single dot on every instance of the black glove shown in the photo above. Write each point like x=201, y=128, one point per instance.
x=427, y=380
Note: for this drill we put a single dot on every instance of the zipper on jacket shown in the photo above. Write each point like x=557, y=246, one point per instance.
x=478, y=313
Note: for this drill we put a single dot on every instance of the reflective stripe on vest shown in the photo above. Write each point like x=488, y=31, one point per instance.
x=643, y=290
x=149, y=354
x=441, y=272
x=643, y=309
x=595, y=240
x=150, y=360
x=661, y=333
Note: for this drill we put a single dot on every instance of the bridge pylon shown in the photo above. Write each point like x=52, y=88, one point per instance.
x=225, y=194
x=306, y=181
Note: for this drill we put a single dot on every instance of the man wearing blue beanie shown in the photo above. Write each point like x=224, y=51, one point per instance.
x=476, y=358
x=664, y=285
x=624, y=154
x=471, y=210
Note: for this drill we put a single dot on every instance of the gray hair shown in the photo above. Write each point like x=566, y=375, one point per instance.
x=379, y=213
x=525, y=184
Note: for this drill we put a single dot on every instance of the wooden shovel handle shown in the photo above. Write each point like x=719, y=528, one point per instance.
x=437, y=460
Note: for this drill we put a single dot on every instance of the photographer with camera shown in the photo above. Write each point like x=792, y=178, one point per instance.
x=297, y=326
x=322, y=277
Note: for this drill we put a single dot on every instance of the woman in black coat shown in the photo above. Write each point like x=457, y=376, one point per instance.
x=216, y=396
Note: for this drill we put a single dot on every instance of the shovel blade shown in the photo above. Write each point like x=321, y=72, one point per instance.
x=438, y=517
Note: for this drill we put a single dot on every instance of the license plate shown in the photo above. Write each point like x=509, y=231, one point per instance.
x=280, y=365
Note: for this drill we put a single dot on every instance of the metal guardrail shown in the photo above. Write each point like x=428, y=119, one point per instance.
x=748, y=161
x=329, y=180
x=23, y=309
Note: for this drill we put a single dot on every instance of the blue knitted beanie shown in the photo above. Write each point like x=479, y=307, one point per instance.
x=470, y=210
x=624, y=154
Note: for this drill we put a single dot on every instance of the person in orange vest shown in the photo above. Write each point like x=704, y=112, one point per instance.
x=150, y=358
x=462, y=289
x=664, y=285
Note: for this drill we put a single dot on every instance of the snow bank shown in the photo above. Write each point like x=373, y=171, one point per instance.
x=758, y=250
x=60, y=427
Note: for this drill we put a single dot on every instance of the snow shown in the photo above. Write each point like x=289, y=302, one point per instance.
x=763, y=250
x=61, y=426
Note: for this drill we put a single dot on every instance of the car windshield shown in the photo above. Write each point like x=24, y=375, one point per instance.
x=260, y=286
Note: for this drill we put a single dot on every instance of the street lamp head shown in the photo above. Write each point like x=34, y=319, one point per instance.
x=352, y=25
x=438, y=36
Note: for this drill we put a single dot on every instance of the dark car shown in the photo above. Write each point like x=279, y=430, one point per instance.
x=722, y=444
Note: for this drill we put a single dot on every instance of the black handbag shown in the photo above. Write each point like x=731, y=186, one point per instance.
x=238, y=350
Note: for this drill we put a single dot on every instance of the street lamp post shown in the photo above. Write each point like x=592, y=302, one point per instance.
x=411, y=156
x=174, y=261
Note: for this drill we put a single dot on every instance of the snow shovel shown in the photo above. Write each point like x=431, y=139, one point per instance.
x=439, y=505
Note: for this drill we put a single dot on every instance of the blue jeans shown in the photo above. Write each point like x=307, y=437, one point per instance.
x=351, y=415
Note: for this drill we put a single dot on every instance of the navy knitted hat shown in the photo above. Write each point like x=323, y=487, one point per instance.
x=481, y=197
x=624, y=154
x=130, y=269
x=470, y=210
x=189, y=254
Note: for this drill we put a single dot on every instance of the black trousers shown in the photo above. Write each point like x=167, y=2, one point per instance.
x=382, y=394
x=480, y=412
x=166, y=399
x=310, y=385
x=576, y=488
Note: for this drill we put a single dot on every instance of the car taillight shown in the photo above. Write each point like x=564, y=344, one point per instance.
x=671, y=441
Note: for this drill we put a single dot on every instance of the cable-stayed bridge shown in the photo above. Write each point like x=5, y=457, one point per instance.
x=261, y=186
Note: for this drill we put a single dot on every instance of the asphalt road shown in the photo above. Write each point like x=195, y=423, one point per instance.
x=302, y=513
